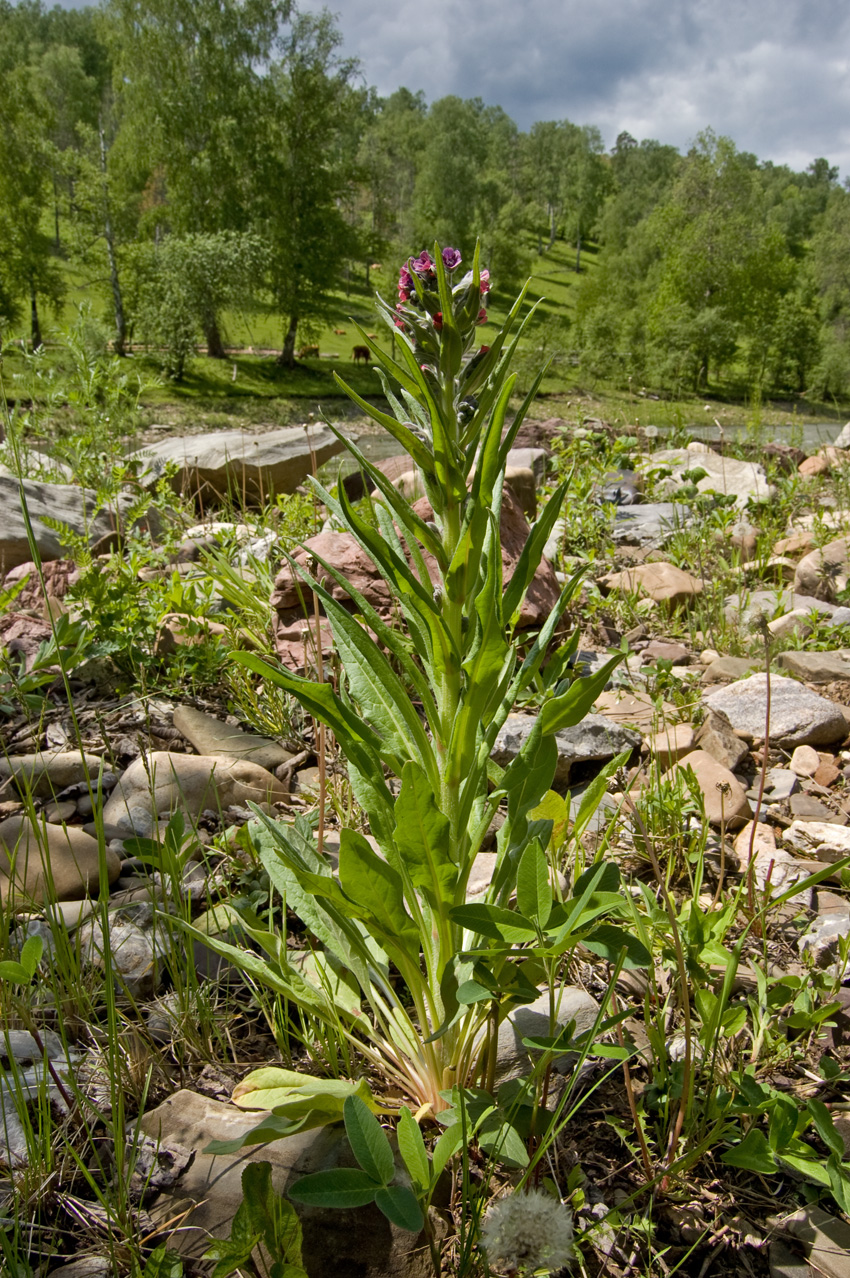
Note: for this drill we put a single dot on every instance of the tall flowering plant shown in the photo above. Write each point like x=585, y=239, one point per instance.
x=417, y=715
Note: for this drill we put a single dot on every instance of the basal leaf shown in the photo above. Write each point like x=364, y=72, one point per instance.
x=368, y=1140
x=412, y=1149
x=753, y=1154
x=399, y=1205
x=341, y=1187
x=422, y=838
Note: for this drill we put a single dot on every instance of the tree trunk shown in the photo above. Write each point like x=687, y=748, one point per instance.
x=115, y=283
x=36, y=326
x=287, y=355
x=215, y=344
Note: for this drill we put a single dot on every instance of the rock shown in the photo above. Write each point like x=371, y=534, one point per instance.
x=210, y=736
x=657, y=650
x=180, y=630
x=843, y=440
x=671, y=744
x=523, y=485
x=58, y=813
x=747, y=480
x=84, y=1267
x=595, y=740
x=814, y=466
x=716, y=738
x=795, y=622
x=747, y=612
x=781, y=783
x=822, y=941
x=785, y=1263
x=805, y=807
x=770, y=864
x=805, y=761
x=660, y=581
x=48, y=773
x=823, y=573
x=777, y=569
x=727, y=668
x=513, y=1059
x=534, y=459
x=637, y=709
x=76, y=508
x=238, y=464
x=708, y=655
x=358, y=1243
x=134, y=950
x=827, y=774
x=816, y=667
x=827, y=1240
x=732, y=806
x=651, y=524
x=797, y=716
x=822, y=839
x=56, y=862
x=797, y=544
x=161, y=783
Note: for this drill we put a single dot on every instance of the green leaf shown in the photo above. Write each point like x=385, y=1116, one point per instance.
x=409, y=442
x=753, y=1154
x=12, y=971
x=825, y=1127
x=273, y=1127
x=341, y=1187
x=498, y=1136
x=446, y=1147
x=533, y=890
x=595, y=792
x=377, y=889
x=782, y=1123
x=399, y=1205
x=271, y=1214
x=31, y=952
x=368, y=1141
x=610, y=941
x=493, y=921
x=164, y=1263
x=412, y=1149
x=570, y=708
x=422, y=838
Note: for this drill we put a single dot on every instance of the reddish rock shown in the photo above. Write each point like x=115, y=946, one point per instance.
x=723, y=795
x=826, y=774
x=813, y=466
x=658, y=650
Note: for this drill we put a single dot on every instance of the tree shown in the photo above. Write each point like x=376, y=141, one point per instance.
x=181, y=287
x=831, y=273
x=313, y=116
x=28, y=270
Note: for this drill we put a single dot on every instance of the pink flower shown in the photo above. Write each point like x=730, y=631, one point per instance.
x=422, y=264
x=485, y=281
x=451, y=258
x=482, y=316
x=438, y=320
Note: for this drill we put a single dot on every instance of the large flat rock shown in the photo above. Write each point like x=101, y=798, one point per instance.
x=238, y=464
x=728, y=475
x=76, y=508
x=595, y=740
x=797, y=716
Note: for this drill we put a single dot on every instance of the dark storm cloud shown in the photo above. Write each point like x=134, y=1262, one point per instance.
x=772, y=74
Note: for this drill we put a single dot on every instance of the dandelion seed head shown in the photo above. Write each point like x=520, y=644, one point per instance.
x=528, y=1231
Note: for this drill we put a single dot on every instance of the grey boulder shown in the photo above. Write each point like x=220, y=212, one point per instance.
x=595, y=740
x=797, y=716
x=237, y=463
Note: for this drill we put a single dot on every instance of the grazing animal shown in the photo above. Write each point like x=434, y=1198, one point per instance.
x=373, y=337
x=361, y=352
x=307, y=351
x=340, y=332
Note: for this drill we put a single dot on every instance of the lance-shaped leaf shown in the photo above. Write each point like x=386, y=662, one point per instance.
x=409, y=442
x=422, y=838
x=570, y=708
x=390, y=636
x=377, y=689
x=532, y=551
x=377, y=890
x=533, y=889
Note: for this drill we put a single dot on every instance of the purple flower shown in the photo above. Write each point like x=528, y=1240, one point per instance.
x=421, y=264
x=405, y=279
x=451, y=258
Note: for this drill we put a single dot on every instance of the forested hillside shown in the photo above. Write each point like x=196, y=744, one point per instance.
x=186, y=162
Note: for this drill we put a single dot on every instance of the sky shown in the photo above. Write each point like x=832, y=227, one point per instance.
x=770, y=74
